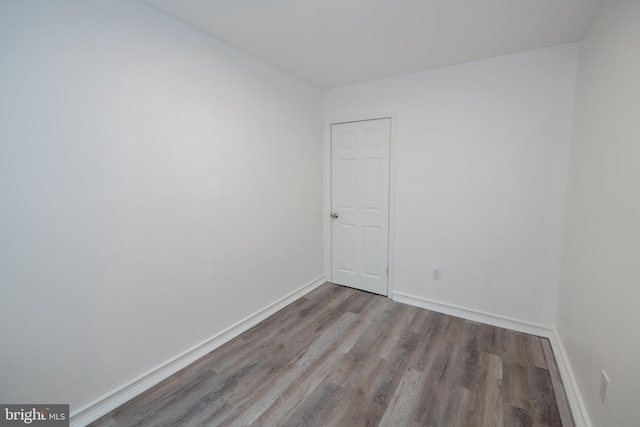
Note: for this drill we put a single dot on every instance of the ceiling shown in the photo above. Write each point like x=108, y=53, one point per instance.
x=331, y=43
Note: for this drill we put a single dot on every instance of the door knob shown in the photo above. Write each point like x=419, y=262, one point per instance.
x=334, y=215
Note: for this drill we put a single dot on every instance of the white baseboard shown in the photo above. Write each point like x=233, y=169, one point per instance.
x=475, y=315
x=576, y=403
x=112, y=400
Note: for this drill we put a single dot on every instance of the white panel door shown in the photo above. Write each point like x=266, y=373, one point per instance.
x=360, y=204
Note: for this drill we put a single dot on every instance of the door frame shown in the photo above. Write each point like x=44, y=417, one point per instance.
x=357, y=117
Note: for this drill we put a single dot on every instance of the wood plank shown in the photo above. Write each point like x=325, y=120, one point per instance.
x=355, y=411
x=429, y=344
x=489, y=339
x=516, y=386
x=535, y=351
x=304, y=373
x=314, y=410
x=543, y=398
x=385, y=381
x=436, y=389
x=466, y=402
x=517, y=417
x=491, y=412
x=398, y=412
x=558, y=387
x=473, y=373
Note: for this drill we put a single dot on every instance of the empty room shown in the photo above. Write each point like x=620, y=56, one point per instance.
x=320, y=212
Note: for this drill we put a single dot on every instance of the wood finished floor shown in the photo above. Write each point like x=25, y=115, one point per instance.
x=342, y=357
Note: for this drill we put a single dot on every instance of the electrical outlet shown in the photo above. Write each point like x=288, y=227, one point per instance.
x=437, y=274
x=605, y=383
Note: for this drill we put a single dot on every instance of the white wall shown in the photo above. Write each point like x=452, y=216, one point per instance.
x=156, y=186
x=598, y=313
x=481, y=167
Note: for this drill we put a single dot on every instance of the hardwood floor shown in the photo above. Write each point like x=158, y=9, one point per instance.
x=342, y=357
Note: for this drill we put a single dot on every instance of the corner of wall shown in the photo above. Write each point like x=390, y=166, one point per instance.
x=576, y=402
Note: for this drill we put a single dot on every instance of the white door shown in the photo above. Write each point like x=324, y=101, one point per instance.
x=360, y=204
